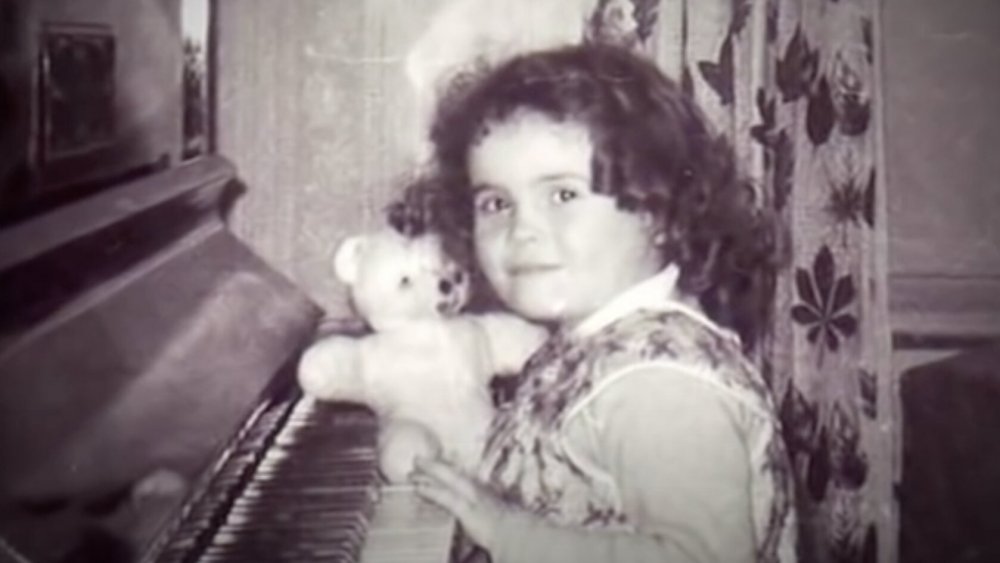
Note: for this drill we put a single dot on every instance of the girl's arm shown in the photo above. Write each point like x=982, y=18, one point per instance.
x=673, y=447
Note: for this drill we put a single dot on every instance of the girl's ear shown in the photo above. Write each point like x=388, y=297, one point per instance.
x=348, y=259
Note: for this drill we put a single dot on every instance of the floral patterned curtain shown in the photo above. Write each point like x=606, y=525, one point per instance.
x=792, y=82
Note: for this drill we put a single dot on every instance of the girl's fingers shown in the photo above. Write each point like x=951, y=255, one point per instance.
x=446, y=498
x=476, y=508
x=447, y=477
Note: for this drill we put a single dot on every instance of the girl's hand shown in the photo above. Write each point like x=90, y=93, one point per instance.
x=478, y=509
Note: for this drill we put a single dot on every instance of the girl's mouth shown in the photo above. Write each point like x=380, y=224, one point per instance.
x=531, y=268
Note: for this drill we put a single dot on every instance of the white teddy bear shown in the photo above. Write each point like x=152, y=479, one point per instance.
x=424, y=369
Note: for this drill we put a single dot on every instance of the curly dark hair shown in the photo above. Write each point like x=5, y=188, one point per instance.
x=653, y=151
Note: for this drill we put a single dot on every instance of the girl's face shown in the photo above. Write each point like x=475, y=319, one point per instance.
x=553, y=249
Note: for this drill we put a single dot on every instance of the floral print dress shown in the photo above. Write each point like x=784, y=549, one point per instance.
x=530, y=462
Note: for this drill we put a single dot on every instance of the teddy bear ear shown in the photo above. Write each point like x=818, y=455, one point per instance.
x=348, y=258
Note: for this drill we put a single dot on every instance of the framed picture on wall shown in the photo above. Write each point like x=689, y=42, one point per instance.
x=76, y=90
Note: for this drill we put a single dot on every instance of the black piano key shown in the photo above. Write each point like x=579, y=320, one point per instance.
x=263, y=551
x=304, y=518
x=290, y=466
x=299, y=535
x=290, y=554
x=289, y=539
x=347, y=481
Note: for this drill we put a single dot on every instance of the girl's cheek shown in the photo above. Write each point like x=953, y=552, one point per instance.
x=486, y=241
x=490, y=229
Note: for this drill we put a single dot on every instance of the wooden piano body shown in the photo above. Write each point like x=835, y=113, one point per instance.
x=146, y=360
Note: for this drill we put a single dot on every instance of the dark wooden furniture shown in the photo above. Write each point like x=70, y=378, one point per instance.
x=148, y=409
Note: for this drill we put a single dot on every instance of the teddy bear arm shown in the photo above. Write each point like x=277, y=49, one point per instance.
x=331, y=370
x=400, y=443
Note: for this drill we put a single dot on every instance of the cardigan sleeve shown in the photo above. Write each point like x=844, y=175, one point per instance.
x=672, y=445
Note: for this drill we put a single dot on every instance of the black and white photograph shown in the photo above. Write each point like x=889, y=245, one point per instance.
x=499, y=281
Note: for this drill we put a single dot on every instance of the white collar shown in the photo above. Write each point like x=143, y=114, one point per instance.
x=651, y=292
x=657, y=293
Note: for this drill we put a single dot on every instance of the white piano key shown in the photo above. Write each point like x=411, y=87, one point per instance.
x=406, y=528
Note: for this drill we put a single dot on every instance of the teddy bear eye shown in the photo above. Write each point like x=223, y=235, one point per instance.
x=444, y=286
x=405, y=282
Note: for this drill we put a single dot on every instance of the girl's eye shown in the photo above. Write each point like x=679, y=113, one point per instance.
x=489, y=204
x=563, y=195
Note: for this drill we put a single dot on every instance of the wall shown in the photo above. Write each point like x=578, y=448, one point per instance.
x=314, y=110
x=942, y=132
x=147, y=89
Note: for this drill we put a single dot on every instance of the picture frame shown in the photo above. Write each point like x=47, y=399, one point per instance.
x=76, y=90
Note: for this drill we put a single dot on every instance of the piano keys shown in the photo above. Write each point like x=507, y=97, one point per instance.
x=314, y=494
x=148, y=410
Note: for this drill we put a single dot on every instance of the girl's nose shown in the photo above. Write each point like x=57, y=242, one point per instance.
x=528, y=224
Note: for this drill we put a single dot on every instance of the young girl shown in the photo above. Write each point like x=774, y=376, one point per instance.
x=596, y=200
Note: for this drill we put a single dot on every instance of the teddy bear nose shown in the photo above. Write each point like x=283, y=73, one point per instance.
x=444, y=286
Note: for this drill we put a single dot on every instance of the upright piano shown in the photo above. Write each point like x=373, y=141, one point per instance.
x=148, y=406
